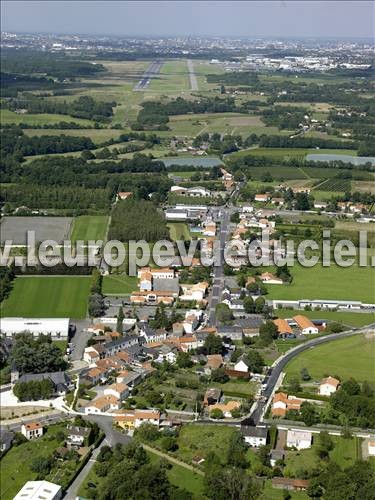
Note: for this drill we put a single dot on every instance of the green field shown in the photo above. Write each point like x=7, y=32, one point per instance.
x=7, y=117
x=48, y=297
x=119, y=284
x=350, y=357
x=89, y=227
x=332, y=282
x=14, y=466
x=179, y=231
x=173, y=77
x=346, y=318
x=96, y=135
x=288, y=153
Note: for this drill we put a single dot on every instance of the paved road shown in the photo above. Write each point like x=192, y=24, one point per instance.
x=218, y=280
x=152, y=71
x=192, y=75
x=267, y=393
x=80, y=338
x=51, y=418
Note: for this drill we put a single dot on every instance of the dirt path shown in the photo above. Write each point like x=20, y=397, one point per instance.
x=172, y=459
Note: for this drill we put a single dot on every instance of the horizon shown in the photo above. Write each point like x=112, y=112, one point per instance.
x=275, y=19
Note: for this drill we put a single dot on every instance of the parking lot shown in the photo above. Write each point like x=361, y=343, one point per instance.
x=46, y=228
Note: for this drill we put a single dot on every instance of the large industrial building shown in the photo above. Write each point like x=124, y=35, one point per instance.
x=57, y=328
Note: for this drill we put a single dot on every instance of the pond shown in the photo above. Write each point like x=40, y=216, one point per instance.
x=355, y=160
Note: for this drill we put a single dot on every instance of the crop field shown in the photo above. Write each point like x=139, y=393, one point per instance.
x=89, y=227
x=278, y=173
x=44, y=228
x=7, y=117
x=350, y=357
x=327, y=173
x=364, y=186
x=332, y=282
x=334, y=184
x=48, y=297
x=288, y=153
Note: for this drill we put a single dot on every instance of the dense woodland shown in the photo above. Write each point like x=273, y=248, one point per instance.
x=137, y=220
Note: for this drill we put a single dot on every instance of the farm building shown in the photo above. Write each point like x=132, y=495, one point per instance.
x=57, y=328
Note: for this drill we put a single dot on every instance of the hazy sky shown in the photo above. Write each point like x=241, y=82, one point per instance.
x=252, y=18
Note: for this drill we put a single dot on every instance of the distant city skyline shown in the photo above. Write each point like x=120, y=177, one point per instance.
x=279, y=18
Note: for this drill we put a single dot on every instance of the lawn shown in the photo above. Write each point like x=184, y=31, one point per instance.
x=119, y=284
x=179, y=231
x=15, y=464
x=199, y=440
x=48, y=297
x=182, y=477
x=89, y=227
x=332, y=282
x=350, y=357
x=343, y=453
x=346, y=318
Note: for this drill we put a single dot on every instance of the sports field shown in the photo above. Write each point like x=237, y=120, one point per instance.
x=334, y=282
x=48, y=297
x=349, y=357
x=89, y=227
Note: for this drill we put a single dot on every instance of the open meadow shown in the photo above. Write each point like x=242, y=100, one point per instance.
x=48, y=297
x=349, y=357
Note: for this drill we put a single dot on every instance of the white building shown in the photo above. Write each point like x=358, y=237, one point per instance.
x=119, y=391
x=36, y=490
x=33, y=430
x=241, y=366
x=301, y=440
x=254, y=436
x=371, y=448
x=328, y=386
x=58, y=328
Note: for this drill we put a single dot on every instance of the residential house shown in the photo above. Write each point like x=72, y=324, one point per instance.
x=283, y=327
x=321, y=205
x=242, y=365
x=232, y=332
x=123, y=195
x=276, y=456
x=212, y=396
x=128, y=419
x=61, y=381
x=282, y=403
x=33, y=430
x=305, y=325
x=270, y=279
x=286, y=483
x=121, y=344
x=103, y=404
x=166, y=353
x=194, y=292
x=153, y=297
x=262, y=197
x=186, y=343
x=96, y=375
x=76, y=435
x=150, y=335
x=254, y=436
x=118, y=390
x=328, y=386
x=278, y=201
x=214, y=361
x=301, y=440
x=226, y=408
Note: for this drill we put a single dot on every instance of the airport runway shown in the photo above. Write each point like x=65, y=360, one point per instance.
x=192, y=75
x=151, y=72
